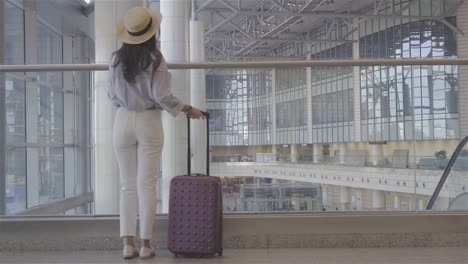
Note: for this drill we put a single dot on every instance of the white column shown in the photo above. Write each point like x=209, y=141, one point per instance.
x=342, y=157
x=310, y=114
x=325, y=201
x=106, y=194
x=32, y=130
x=275, y=153
x=317, y=152
x=376, y=154
x=357, y=88
x=396, y=201
x=462, y=24
x=344, y=198
x=294, y=153
x=174, y=44
x=273, y=108
x=356, y=200
x=274, y=149
x=378, y=199
x=198, y=96
x=273, y=114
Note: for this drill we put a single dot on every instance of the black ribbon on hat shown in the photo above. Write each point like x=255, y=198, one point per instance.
x=143, y=31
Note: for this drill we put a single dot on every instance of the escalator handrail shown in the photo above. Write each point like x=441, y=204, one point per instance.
x=446, y=173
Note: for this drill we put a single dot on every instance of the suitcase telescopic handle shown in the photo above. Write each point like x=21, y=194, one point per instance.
x=189, y=152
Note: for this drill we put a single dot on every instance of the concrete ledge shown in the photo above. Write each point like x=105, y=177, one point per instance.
x=324, y=230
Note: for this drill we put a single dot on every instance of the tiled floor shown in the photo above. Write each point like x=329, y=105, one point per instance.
x=272, y=256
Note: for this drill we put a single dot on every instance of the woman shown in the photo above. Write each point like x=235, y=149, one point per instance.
x=140, y=87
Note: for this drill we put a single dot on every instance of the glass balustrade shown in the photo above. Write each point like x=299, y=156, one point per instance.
x=264, y=143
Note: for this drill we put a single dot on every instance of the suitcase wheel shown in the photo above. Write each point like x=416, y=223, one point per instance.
x=220, y=252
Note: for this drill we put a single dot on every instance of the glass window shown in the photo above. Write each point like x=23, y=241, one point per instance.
x=50, y=115
x=239, y=103
x=14, y=35
x=417, y=93
x=15, y=180
x=332, y=101
x=15, y=110
x=40, y=164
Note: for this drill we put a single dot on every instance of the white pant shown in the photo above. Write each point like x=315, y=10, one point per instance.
x=138, y=142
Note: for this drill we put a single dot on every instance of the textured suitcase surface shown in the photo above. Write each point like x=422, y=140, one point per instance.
x=195, y=216
x=195, y=211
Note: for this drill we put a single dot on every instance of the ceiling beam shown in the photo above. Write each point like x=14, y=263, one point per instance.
x=254, y=44
x=378, y=5
x=218, y=50
x=326, y=14
x=233, y=8
x=340, y=15
x=224, y=22
x=310, y=2
x=452, y=27
x=279, y=5
x=341, y=9
x=242, y=31
x=257, y=57
x=204, y=6
x=257, y=41
x=273, y=40
x=235, y=26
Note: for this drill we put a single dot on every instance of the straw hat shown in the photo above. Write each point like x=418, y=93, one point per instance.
x=138, y=25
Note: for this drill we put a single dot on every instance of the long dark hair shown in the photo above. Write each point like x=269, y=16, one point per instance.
x=137, y=58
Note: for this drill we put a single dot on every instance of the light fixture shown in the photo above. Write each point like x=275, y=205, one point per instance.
x=87, y=1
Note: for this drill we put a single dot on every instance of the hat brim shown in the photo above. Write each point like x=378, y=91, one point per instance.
x=123, y=35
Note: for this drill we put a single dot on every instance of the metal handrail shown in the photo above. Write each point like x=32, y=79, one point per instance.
x=244, y=64
x=446, y=173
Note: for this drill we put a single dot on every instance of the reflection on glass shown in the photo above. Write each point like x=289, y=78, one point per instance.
x=239, y=101
x=15, y=180
x=14, y=34
x=51, y=174
x=454, y=193
x=242, y=195
x=50, y=86
x=416, y=93
x=15, y=116
x=35, y=151
x=332, y=92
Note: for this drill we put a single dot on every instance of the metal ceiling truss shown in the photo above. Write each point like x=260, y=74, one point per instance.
x=273, y=40
x=243, y=33
x=318, y=27
x=254, y=44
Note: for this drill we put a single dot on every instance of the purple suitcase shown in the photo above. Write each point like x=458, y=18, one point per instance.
x=195, y=212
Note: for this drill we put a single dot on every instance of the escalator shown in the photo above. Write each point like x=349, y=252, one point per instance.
x=451, y=193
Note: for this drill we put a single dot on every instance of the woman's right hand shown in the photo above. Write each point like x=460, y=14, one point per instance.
x=196, y=114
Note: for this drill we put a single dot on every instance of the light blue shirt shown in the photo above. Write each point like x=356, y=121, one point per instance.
x=150, y=90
